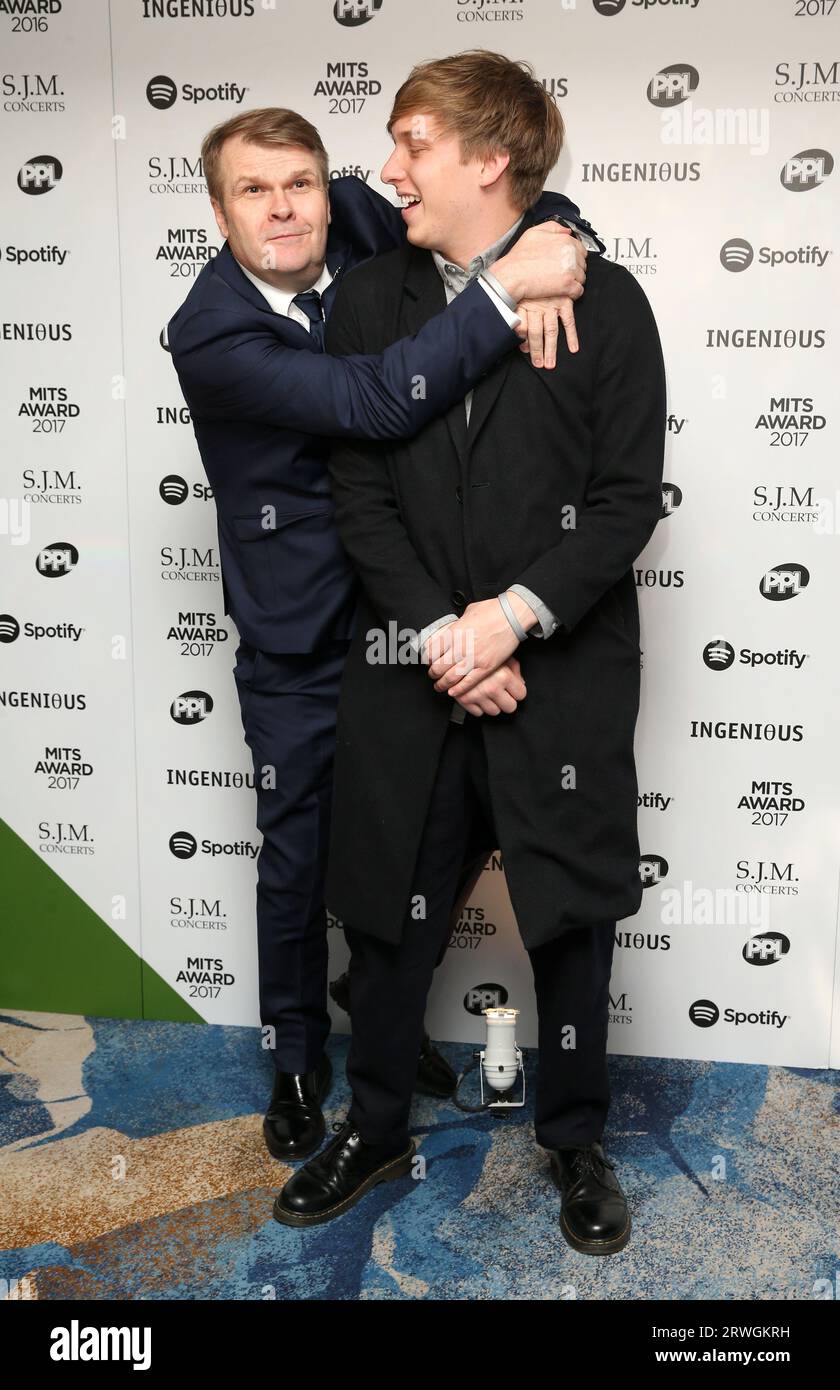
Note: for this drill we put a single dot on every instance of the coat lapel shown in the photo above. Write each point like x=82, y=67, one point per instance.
x=488, y=391
x=424, y=297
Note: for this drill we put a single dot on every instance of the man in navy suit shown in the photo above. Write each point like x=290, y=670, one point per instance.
x=265, y=401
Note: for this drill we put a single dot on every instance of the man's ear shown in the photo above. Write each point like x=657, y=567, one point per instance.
x=221, y=220
x=492, y=168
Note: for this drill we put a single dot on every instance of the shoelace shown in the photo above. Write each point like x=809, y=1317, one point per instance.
x=319, y=1163
x=589, y=1159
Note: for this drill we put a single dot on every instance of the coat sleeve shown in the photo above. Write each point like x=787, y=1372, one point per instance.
x=367, y=514
x=557, y=205
x=623, y=499
x=232, y=368
x=362, y=219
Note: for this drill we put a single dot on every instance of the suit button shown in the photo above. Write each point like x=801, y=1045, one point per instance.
x=459, y=494
x=459, y=600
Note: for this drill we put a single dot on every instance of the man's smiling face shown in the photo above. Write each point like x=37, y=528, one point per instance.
x=442, y=192
x=275, y=211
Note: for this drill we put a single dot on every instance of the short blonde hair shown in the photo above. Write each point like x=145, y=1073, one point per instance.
x=264, y=125
x=491, y=103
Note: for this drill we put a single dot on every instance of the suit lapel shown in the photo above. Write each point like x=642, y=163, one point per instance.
x=338, y=257
x=226, y=265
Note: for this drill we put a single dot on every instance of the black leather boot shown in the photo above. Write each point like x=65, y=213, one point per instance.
x=338, y=1177
x=593, y=1215
x=294, y=1125
x=435, y=1077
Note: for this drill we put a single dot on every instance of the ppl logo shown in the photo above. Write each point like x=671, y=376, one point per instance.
x=806, y=170
x=673, y=85
x=783, y=582
x=191, y=707
x=352, y=13
x=766, y=949
x=652, y=869
x=56, y=560
x=482, y=997
x=39, y=174
x=671, y=498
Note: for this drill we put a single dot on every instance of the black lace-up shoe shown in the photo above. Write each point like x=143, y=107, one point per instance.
x=435, y=1077
x=338, y=1177
x=593, y=1214
x=294, y=1125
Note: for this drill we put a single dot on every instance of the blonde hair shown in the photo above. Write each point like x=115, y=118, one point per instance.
x=491, y=103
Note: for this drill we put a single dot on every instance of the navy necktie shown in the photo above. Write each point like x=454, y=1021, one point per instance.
x=310, y=302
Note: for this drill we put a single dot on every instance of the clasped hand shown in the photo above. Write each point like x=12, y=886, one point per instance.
x=472, y=660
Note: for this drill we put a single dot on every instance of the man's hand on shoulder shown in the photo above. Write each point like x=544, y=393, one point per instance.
x=544, y=271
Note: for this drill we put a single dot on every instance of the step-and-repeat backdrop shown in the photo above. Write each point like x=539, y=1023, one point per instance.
x=701, y=144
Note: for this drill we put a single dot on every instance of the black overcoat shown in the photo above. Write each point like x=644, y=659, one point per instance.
x=455, y=515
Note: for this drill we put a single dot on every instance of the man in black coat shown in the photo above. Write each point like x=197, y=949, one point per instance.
x=511, y=526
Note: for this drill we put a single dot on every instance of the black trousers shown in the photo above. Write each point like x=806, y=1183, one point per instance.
x=288, y=705
x=389, y=983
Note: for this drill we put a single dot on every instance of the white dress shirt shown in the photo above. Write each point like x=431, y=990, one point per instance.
x=281, y=300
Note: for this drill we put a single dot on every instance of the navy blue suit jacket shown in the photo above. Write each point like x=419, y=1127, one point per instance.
x=265, y=405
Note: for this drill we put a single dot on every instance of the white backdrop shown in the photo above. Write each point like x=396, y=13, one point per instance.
x=700, y=139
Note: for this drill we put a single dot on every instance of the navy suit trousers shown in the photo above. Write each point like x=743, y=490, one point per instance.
x=288, y=705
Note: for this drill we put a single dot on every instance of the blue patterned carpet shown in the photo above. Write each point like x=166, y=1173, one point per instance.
x=132, y=1166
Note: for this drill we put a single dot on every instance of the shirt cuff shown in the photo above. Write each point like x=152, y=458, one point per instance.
x=546, y=619
x=500, y=297
x=425, y=633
